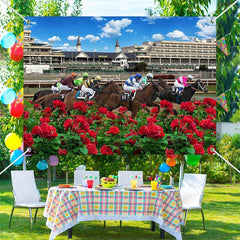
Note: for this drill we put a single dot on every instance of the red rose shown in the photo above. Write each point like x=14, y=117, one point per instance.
x=154, y=110
x=81, y=106
x=111, y=115
x=36, y=130
x=144, y=105
x=25, y=115
x=59, y=105
x=102, y=110
x=198, y=149
x=210, y=149
x=131, y=120
x=207, y=124
x=155, y=131
x=62, y=151
x=170, y=153
x=27, y=139
x=90, y=103
x=143, y=130
x=211, y=110
x=174, y=124
x=92, y=150
x=197, y=103
x=36, y=105
x=47, y=110
x=122, y=109
x=113, y=130
x=92, y=133
x=153, y=120
x=106, y=150
x=67, y=124
x=187, y=106
x=117, y=151
x=42, y=120
x=199, y=133
x=209, y=102
x=166, y=104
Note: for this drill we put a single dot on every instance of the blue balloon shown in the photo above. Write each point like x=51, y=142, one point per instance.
x=16, y=154
x=164, y=168
x=8, y=96
x=42, y=165
x=8, y=40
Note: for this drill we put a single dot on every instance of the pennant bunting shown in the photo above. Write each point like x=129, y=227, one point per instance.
x=221, y=43
x=19, y=40
x=222, y=101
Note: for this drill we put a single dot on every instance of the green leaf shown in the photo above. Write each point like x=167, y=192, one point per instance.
x=84, y=150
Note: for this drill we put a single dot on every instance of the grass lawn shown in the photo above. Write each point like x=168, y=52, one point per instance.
x=221, y=206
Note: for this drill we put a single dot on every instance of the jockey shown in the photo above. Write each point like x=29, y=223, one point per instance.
x=181, y=83
x=90, y=86
x=69, y=80
x=133, y=83
x=79, y=81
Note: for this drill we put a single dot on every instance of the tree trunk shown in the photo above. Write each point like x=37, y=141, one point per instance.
x=66, y=177
x=230, y=174
x=49, y=177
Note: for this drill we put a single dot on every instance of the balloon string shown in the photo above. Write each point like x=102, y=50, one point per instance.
x=226, y=10
x=225, y=160
x=28, y=150
x=6, y=3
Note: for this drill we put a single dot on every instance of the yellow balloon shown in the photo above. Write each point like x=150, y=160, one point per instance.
x=13, y=141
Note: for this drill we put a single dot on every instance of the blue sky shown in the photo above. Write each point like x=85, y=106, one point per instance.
x=100, y=33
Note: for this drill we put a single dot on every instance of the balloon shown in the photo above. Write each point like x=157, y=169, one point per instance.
x=8, y=96
x=171, y=162
x=8, y=40
x=13, y=141
x=42, y=165
x=16, y=109
x=53, y=160
x=192, y=159
x=17, y=153
x=164, y=168
x=16, y=52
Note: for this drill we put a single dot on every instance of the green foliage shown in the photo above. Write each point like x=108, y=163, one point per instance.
x=181, y=8
x=236, y=116
x=141, y=67
x=228, y=25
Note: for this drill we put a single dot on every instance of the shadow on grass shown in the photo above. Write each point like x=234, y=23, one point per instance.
x=226, y=193
x=214, y=230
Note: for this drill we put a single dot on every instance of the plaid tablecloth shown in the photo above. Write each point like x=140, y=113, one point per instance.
x=65, y=207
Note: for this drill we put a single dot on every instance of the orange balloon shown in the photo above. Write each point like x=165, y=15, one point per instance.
x=171, y=162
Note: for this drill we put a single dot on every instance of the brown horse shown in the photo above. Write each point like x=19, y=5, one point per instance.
x=101, y=96
x=146, y=96
x=47, y=100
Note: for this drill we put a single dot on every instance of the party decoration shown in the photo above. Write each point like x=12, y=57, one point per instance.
x=164, y=168
x=192, y=159
x=8, y=39
x=53, y=160
x=16, y=109
x=16, y=154
x=222, y=101
x=158, y=180
x=171, y=162
x=42, y=165
x=16, y=52
x=12, y=141
x=8, y=96
x=221, y=43
x=19, y=96
x=19, y=39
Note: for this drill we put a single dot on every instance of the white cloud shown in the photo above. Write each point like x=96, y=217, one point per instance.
x=66, y=45
x=91, y=38
x=177, y=34
x=149, y=20
x=129, y=30
x=207, y=28
x=105, y=48
x=157, y=37
x=98, y=18
x=72, y=38
x=113, y=28
x=54, y=39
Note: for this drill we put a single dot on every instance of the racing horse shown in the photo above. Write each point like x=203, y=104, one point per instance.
x=186, y=95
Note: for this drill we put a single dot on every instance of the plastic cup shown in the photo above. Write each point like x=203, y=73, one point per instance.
x=89, y=183
x=154, y=185
x=133, y=183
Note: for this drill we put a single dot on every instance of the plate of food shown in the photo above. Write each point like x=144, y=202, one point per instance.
x=64, y=185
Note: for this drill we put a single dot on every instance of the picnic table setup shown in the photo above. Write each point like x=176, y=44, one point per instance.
x=68, y=205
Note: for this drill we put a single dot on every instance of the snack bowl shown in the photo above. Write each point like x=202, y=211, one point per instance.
x=108, y=182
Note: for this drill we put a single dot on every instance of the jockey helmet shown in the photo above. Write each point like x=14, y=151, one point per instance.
x=85, y=74
x=73, y=74
x=98, y=78
x=149, y=75
x=190, y=76
x=138, y=75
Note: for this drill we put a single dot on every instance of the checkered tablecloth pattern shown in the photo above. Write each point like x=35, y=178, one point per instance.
x=66, y=207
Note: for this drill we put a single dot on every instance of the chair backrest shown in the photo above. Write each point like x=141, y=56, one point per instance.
x=124, y=177
x=192, y=188
x=24, y=186
x=80, y=174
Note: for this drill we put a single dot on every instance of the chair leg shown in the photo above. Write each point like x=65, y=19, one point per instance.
x=120, y=223
x=153, y=226
x=35, y=216
x=31, y=218
x=185, y=220
x=10, y=220
x=104, y=224
x=203, y=219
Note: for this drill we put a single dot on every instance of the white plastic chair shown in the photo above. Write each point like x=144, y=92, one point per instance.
x=124, y=177
x=80, y=174
x=192, y=193
x=26, y=194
